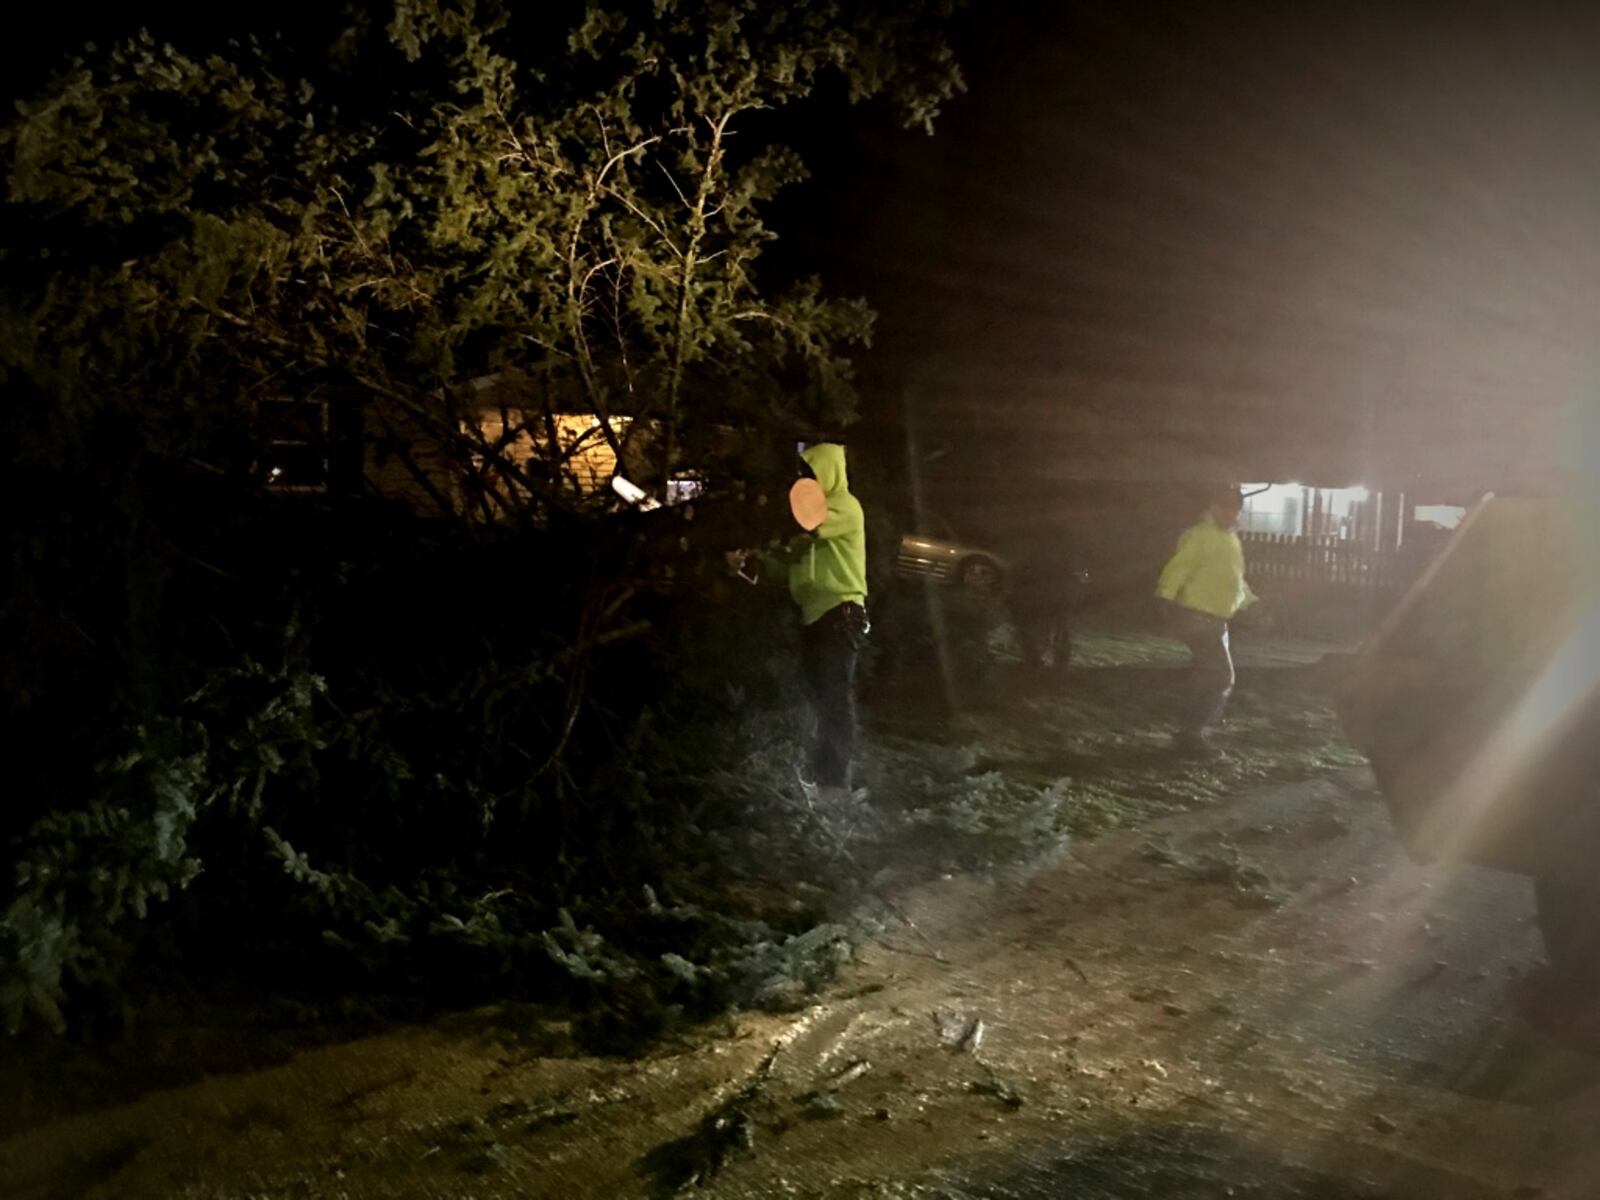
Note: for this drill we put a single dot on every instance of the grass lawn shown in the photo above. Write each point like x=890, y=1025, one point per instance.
x=1097, y=734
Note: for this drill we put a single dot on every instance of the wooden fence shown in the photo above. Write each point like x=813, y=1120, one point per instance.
x=1280, y=559
x=1325, y=587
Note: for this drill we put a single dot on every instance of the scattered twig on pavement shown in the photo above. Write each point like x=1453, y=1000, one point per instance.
x=899, y=914
x=933, y=956
x=993, y=1084
x=725, y=1131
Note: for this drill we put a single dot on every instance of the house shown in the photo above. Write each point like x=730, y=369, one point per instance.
x=485, y=449
x=1373, y=519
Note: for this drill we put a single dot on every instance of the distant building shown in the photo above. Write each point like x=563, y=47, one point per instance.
x=1376, y=520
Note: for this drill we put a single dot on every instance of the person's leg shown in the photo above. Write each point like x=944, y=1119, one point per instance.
x=842, y=706
x=1211, y=676
x=834, y=644
x=1223, y=678
x=813, y=669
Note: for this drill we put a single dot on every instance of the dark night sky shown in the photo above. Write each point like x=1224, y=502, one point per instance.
x=1341, y=242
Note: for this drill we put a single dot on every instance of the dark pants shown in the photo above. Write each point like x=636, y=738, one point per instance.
x=1210, y=671
x=829, y=647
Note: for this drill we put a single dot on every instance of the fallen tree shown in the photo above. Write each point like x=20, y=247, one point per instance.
x=492, y=739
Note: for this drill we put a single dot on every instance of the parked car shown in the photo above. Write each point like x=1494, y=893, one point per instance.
x=932, y=551
x=1040, y=587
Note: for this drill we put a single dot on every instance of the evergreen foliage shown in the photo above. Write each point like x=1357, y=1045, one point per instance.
x=518, y=747
x=567, y=208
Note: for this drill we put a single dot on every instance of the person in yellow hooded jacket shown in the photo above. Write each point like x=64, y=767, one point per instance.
x=826, y=571
x=1204, y=586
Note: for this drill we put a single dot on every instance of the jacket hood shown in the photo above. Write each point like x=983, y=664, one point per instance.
x=826, y=460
